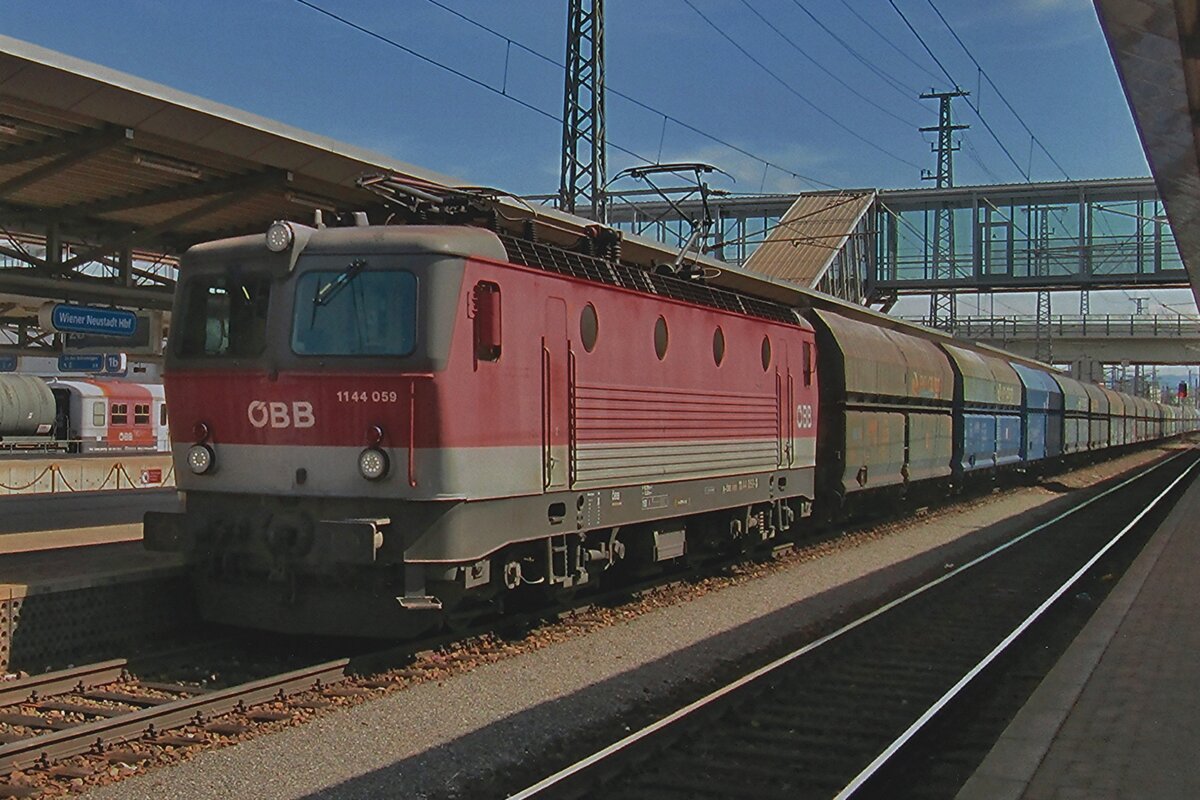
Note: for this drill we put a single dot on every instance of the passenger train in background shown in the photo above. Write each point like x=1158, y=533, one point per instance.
x=81, y=415
x=379, y=428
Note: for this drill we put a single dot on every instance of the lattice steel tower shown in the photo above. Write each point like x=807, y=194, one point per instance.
x=584, y=173
x=1043, y=342
x=942, y=302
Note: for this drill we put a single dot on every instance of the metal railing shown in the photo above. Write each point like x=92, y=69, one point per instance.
x=1075, y=326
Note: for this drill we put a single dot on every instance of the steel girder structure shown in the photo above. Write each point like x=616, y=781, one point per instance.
x=62, y=236
x=584, y=173
x=105, y=178
x=943, y=304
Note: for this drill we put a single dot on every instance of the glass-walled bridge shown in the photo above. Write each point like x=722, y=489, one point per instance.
x=1079, y=236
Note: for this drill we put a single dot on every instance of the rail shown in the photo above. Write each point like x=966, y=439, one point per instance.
x=872, y=769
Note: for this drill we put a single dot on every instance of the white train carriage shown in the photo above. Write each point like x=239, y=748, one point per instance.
x=110, y=416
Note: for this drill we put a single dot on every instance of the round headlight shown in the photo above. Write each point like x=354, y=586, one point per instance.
x=279, y=237
x=373, y=463
x=201, y=458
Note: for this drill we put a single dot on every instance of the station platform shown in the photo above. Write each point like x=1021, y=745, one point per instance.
x=75, y=579
x=1119, y=715
x=60, y=605
x=30, y=522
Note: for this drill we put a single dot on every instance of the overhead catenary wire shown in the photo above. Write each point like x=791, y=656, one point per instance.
x=973, y=154
x=837, y=79
x=905, y=90
x=795, y=92
x=503, y=90
x=889, y=41
x=973, y=106
x=1032, y=136
x=510, y=42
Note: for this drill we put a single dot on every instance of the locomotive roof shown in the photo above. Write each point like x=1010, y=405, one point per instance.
x=114, y=389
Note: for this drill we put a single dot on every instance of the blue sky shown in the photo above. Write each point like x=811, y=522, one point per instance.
x=283, y=60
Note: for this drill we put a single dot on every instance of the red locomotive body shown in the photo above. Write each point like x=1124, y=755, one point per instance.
x=373, y=423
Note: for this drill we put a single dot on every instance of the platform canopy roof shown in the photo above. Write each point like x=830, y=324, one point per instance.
x=1155, y=45
x=109, y=163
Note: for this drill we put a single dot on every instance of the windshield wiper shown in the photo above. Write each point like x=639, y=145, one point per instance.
x=330, y=290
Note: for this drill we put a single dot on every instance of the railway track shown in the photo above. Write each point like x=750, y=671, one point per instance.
x=852, y=713
x=94, y=709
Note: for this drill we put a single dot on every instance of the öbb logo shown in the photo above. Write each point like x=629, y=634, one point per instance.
x=276, y=414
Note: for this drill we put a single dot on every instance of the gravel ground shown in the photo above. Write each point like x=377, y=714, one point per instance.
x=444, y=736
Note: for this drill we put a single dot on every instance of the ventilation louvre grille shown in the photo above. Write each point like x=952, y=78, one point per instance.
x=590, y=268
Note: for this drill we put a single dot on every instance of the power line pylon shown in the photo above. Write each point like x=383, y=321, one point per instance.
x=581, y=189
x=942, y=303
x=1043, y=342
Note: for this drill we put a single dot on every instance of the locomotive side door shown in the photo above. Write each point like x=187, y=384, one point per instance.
x=789, y=414
x=554, y=395
x=785, y=406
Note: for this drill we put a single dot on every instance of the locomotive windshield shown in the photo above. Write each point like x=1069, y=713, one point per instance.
x=355, y=312
x=225, y=315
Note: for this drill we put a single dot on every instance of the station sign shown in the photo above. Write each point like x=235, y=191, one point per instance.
x=81, y=363
x=70, y=318
x=95, y=363
x=146, y=339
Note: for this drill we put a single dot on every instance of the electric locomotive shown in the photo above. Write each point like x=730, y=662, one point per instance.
x=378, y=428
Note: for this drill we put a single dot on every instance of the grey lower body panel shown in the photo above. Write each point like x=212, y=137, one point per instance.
x=321, y=533
x=368, y=567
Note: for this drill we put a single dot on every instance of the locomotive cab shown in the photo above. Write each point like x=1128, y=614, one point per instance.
x=301, y=383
